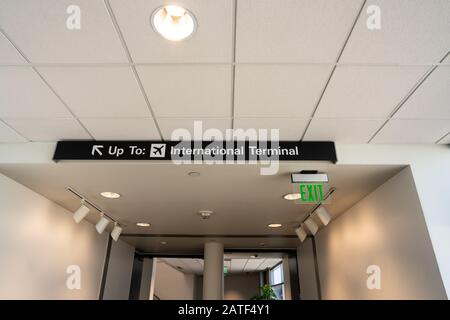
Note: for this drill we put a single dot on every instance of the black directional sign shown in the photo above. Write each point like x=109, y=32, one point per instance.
x=195, y=150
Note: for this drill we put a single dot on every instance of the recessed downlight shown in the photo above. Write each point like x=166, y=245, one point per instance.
x=110, y=195
x=194, y=174
x=143, y=224
x=173, y=23
x=163, y=243
x=275, y=225
x=292, y=196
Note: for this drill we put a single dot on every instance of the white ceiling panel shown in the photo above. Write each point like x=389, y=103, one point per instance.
x=49, y=129
x=9, y=54
x=293, y=30
x=268, y=263
x=412, y=32
x=278, y=90
x=168, y=125
x=412, y=131
x=253, y=264
x=9, y=135
x=211, y=42
x=188, y=90
x=342, y=130
x=39, y=29
x=290, y=128
x=98, y=91
x=445, y=140
x=121, y=129
x=367, y=91
x=24, y=94
x=431, y=100
x=237, y=265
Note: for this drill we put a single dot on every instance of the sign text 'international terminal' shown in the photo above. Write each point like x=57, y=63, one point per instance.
x=196, y=150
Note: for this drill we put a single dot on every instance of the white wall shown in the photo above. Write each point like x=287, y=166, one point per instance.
x=120, y=267
x=38, y=241
x=241, y=286
x=386, y=228
x=172, y=284
x=431, y=171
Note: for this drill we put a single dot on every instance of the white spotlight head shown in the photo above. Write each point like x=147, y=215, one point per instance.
x=115, y=234
x=81, y=213
x=312, y=226
x=323, y=215
x=301, y=234
x=102, y=224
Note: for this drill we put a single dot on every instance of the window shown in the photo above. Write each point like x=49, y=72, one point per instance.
x=277, y=281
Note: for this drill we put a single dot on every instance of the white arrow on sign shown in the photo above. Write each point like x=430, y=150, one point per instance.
x=97, y=148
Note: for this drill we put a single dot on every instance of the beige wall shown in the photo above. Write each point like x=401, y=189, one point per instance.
x=120, y=267
x=172, y=284
x=386, y=228
x=38, y=241
x=241, y=286
x=306, y=271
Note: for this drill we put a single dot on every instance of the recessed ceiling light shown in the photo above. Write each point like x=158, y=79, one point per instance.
x=110, y=195
x=292, y=196
x=274, y=225
x=163, y=243
x=143, y=224
x=173, y=23
x=194, y=174
x=205, y=214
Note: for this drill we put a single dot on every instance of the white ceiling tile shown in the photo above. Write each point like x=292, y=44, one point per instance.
x=445, y=140
x=188, y=90
x=412, y=32
x=252, y=264
x=9, y=54
x=39, y=29
x=293, y=30
x=342, y=130
x=268, y=263
x=49, y=129
x=237, y=265
x=412, y=131
x=290, y=128
x=9, y=135
x=211, y=42
x=98, y=91
x=24, y=94
x=121, y=129
x=431, y=100
x=168, y=125
x=367, y=91
x=278, y=90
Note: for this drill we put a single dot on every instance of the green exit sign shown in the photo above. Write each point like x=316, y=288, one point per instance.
x=311, y=192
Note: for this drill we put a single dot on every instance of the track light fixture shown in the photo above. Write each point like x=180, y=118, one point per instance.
x=323, y=215
x=311, y=225
x=115, y=234
x=102, y=224
x=301, y=233
x=81, y=212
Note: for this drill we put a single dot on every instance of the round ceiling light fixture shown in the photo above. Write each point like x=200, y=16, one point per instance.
x=173, y=23
x=194, y=174
x=110, y=195
x=143, y=224
x=274, y=225
x=292, y=196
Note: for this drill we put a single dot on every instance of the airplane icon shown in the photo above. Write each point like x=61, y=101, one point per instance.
x=158, y=150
